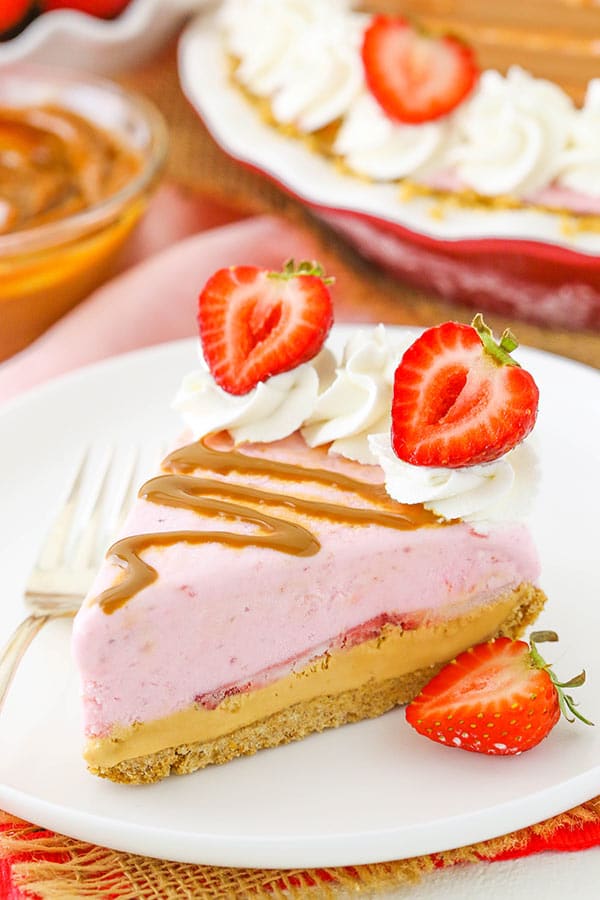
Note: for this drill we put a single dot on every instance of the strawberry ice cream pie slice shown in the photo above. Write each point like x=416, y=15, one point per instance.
x=295, y=565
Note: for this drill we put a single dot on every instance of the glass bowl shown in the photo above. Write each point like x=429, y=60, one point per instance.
x=48, y=268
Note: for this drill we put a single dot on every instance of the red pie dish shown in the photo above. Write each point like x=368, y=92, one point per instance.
x=539, y=261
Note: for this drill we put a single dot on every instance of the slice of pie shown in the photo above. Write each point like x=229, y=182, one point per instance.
x=267, y=589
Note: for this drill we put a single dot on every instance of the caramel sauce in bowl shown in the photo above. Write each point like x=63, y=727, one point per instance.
x=79, y=160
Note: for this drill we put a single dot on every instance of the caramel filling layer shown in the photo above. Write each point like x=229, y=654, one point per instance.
x=394, y=653
x=244, y=503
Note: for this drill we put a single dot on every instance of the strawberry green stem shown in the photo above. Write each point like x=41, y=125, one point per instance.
x=305, y=267
x=500, y=352
x=565, y=701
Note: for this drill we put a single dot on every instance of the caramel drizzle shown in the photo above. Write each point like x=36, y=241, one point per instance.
x=178, y=488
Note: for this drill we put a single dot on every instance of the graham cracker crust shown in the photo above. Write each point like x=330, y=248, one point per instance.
x=302, y=719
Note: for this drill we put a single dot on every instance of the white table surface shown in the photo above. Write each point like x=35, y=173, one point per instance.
x=553, y=876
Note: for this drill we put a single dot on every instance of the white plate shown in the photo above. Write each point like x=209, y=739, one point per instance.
x=367, y=792
x=204, y=71
x=67, y=37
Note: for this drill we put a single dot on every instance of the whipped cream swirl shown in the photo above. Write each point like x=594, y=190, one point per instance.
x=337, y=401
x=304, y=57
x=272, y=410
x=262, y=50
x=372, y=144
x=502, y=489
x=346, y=402
x=358, y=400
x=511, y=134
x=580, y=162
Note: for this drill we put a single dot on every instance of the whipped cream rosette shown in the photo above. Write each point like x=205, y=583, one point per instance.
x=272, y=410
x=305, y=57
x=357, y=402
x=493, y=491
x=511, y=134
x=372, y=144
x=332, y=403
x=579, y=163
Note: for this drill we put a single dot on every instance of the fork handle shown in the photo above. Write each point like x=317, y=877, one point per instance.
x=14, y=651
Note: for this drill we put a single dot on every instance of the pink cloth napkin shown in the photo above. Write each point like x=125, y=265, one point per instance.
x=155, y=300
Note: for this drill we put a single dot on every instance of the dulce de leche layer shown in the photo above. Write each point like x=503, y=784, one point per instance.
x=206, y=614
x=54, y=163
x=395, y=652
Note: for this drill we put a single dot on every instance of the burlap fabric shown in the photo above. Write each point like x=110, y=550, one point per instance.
x=53, y=867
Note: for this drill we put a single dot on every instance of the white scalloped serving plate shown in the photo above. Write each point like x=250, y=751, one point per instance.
x=68, y=37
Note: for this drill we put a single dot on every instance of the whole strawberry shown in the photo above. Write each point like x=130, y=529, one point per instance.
x=255, y=323
x=499, y=698
x=460, y=399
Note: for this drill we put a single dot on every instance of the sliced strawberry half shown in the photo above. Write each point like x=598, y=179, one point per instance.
x=13, y=13
x=499, y=698
x=101, y=9
x=415, y=78
x=255, y=323
x=460, y=399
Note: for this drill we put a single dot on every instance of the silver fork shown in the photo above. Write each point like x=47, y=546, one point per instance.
x=65, y=567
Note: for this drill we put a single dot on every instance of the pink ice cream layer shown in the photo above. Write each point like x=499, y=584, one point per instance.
x=218, y=619
x=553, y=196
